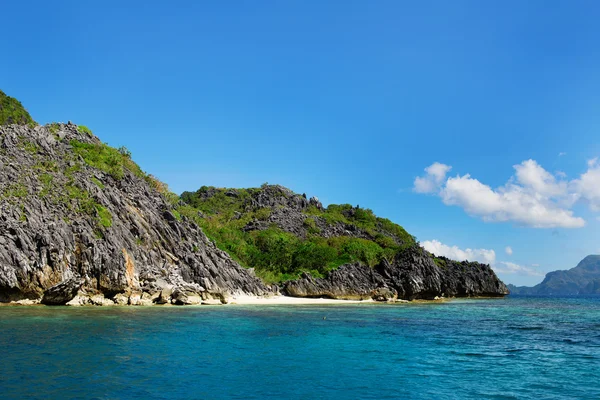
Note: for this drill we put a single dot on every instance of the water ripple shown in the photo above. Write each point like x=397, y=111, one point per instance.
x=513, y=348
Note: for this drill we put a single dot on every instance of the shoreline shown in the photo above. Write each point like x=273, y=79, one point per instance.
x=258, y=300
x=288, y=300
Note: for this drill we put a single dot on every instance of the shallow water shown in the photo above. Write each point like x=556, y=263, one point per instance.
x=513, y=348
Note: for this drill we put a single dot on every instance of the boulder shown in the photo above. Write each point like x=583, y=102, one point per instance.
x=62, y=293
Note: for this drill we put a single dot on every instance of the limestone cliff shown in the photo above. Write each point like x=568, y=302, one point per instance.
x=81, y=223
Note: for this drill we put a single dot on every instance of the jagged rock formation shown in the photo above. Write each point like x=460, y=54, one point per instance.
x=79, y=222
x=584, y=279
x=294, y=213
x=348, y=282
x=412, y=275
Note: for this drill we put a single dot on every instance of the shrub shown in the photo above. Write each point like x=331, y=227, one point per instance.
x=313, y=256
x=84, y=129
x=104, y=216
x=107, y=159
x=124, y=151
x=29, y=147
x=13, y=112
x=97, y=182
x=263, y=214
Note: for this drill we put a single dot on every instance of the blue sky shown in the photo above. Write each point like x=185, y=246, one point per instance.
x=348, y=101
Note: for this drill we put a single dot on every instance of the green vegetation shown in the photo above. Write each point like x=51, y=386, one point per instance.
x=47, y=184
x=84, y=129
x=362, y=218
x=97, y=182
x=29, y=147
x=107, y=159
x=104, y=216
x=16, y=190
x=81, y=201
x=53, y=128
x=13, y=112
x=278, y=255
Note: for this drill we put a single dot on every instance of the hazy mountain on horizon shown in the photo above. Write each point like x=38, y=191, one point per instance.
x=580, y=280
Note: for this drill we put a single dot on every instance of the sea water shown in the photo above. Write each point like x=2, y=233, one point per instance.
x=512, y=348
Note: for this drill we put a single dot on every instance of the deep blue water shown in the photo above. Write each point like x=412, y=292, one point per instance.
x=513, y=348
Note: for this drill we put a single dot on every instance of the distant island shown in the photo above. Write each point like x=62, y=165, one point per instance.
x=584, y=279
x=83, y=224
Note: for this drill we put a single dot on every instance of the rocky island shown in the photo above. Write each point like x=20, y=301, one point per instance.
x=81, y=223
x=583, y=279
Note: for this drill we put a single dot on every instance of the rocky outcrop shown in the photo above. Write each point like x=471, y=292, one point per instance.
x=348, y=282
x=70, y=230
x=289, y=211
x=413, y=274
x=62, y=293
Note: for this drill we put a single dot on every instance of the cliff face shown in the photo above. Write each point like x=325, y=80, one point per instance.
x=80, y=223
x=413, y=274
x=584, y=279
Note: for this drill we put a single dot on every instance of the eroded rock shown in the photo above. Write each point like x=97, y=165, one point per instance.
x=412, y=275
x=62, y=293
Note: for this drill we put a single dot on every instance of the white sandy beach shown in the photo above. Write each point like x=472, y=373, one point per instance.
x=277, y=300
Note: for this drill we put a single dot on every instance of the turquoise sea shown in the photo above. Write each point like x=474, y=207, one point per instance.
x=512, y=348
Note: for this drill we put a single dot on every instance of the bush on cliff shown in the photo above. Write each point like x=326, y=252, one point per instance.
x=13, y=112
x=107, y=159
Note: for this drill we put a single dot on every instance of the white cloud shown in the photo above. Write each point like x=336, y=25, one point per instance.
x=485, y=256
x=508, y=203
x=532, y=197
x=505, y=267
x=562, y=153
x=530, y=174
x=435, y=175
x=439, y=249
x=561, y=174
x=508, y=250
x=535, y=265
x=587, y=187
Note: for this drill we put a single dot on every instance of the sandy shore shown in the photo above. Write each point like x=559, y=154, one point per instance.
x=276, y=300
x=251, y=300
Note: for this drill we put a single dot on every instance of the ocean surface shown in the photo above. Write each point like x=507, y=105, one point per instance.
x=512, y=348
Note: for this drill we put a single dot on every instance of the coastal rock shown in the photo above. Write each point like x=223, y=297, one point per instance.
x=348, y=282
x=412, y=275
x=62, y=293
x=384, y=294
x=27, y=302
x=186, y=295
x=121, y=299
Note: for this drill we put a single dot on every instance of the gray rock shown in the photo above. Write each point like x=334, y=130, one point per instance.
x=384, y=294
x=412, y=275
x=348, y=282
x=62, y=293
